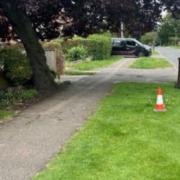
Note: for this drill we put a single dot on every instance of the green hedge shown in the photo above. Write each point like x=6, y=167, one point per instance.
x=98, y=46
x=16, y=66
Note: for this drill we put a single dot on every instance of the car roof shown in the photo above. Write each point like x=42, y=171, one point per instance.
x=123, y=39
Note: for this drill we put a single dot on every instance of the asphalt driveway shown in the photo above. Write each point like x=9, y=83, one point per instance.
x=171, y=53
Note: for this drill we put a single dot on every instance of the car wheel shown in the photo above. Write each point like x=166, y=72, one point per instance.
x=141, y=54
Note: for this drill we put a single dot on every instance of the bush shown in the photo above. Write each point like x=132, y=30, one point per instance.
x=76, y=53
x=16, y=66
x=68, y=44
x=13, y=96
x=98, y=46
x=174, y=41
x=150, y=38
x=3, y=81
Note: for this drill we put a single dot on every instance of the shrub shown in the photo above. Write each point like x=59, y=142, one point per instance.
x=68, y=44
x=174, y=41
x=16, y=66
x=13, y=96
x=76, y=53
x=150, y=38
x=98, y=46
x=3, y=81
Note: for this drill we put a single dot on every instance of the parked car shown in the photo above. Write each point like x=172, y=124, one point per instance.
x=130, y=46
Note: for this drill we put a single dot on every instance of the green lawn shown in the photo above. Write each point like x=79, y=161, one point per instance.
x=155, y=52
x=150, y=63
x=90, y=65
x=124, y=139
x=177, y=47
x=5, y=114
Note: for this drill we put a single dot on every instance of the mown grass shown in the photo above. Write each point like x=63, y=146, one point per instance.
x=150, y=63
x=124, y=139
x=155, y=52
x=5, y=114
x=176, y=47
x=90, y=65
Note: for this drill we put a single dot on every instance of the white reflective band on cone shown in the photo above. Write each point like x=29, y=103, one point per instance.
x=160, y=99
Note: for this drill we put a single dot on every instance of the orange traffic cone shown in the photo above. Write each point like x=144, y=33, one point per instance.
x=160, y=106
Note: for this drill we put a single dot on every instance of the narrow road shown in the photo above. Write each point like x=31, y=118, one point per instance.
x=29, y=141
x=171, y=53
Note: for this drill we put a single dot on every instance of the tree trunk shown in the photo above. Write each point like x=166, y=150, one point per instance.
x=178, y=80
x=42, y=77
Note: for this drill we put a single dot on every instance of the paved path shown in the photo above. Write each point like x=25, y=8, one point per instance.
x=171, y=53
x=29, y=141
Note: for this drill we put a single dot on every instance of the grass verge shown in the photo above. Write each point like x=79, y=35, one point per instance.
x=176, y=47
x=13, y=98
x=125, y=139
x=89, y=65
x=78, y=73
x=5, y=114
x=155, y=52
x=150, y=63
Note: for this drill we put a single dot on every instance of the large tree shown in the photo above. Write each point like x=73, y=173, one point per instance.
x=173, y=6
x=18, y=14
x=31, y=20
x=138, y=17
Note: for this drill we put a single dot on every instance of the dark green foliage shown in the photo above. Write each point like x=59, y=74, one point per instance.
x=3, y=81
x=68, y=44
x=76, y=53
x=169, y=31
x=98, y=46
x=13, y=96
x=16, y=66
x=101, y=46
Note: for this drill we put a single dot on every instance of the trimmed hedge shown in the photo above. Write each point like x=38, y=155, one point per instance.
x=101, y=46
x=98, y=46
